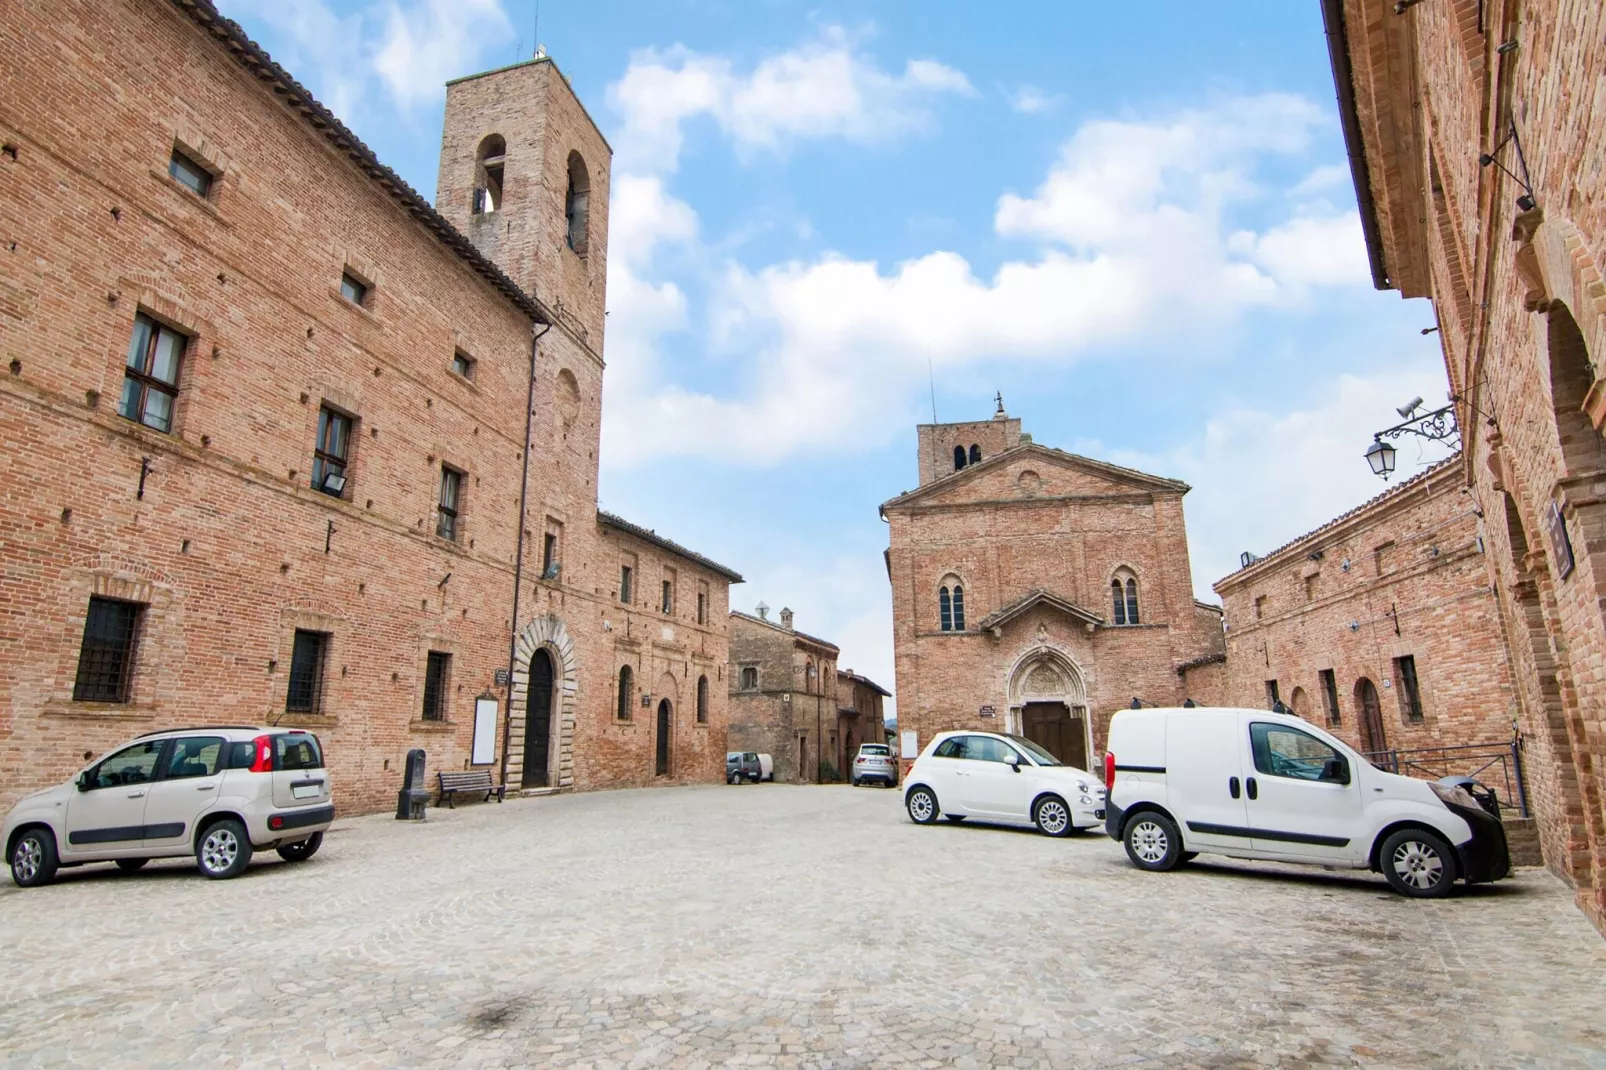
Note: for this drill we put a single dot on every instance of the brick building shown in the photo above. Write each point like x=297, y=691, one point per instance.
x=1477, y=146
x=783, y=696
x=270, y=420
x=860, y=716
x=1380, y=625
x=1036, y=591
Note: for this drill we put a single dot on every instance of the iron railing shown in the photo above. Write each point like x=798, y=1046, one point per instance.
x=1497, y=766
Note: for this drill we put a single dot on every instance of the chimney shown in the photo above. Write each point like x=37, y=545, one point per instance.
x=786, y=619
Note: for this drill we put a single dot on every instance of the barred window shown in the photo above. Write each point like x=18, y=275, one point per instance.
x=436, y=671
x=150, y=380
x=305, y=694
x=106, y=658
x=1410, y=691
x=451, y=491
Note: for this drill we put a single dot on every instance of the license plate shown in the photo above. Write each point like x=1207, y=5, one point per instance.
x=306, y=791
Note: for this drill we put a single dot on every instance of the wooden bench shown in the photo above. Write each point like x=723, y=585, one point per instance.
x=477, y=780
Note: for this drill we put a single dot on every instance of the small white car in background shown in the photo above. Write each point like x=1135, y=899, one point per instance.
x=1251, y=784
x=217, y=793
x=997, y=777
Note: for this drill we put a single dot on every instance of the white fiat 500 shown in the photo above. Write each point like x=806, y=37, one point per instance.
x=215, y=793
x=995, y=777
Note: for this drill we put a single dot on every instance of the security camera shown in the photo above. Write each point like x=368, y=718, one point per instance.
x=1409, y=407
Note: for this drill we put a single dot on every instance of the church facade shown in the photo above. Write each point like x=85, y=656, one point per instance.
x=1037, y=591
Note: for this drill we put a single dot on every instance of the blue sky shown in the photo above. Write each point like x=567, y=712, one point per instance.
x=1140, y=230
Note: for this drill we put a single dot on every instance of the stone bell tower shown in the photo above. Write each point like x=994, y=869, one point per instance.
x=524, y=173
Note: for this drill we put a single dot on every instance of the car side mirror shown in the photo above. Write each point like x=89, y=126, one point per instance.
x=84, y=780
x=1013, y=761
x=1336, y=770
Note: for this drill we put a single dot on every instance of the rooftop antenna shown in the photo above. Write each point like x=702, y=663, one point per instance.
x=1000, y=397
x=930, y=371
x=535, y=33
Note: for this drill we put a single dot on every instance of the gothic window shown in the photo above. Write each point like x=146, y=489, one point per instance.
x=945, y=614
x=959, y=608
x=808, y=677
x=975, y=453
x=1120, y=602
x=626, y=678
x=1124, y=597
x=488, y=175
x=959, y=458
x=575, y=203
x=951, y=605
x=1131, y=601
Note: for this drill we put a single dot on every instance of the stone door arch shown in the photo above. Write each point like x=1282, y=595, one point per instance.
x=1048, y=705
x=547, y=633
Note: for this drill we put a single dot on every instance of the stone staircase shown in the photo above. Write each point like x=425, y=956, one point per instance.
x=1522, y=840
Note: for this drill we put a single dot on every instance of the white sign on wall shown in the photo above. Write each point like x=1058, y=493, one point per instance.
x=484, y=731
x=910, y=747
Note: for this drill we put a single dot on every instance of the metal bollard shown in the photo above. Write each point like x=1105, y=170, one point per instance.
x=413, y=797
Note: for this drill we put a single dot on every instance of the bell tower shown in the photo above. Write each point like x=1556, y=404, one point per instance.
x=524, y=174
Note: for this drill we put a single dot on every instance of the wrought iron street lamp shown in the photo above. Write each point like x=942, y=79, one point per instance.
x=1438, y=425
x=1381, y=457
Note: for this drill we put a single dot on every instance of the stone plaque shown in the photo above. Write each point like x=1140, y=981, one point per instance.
x=988, y=711
x=501, y=677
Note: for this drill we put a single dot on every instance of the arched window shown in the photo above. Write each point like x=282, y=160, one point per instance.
x=975, y=453
x=959, y=458
x=808, y=676
x=488, y=165
x=575, y=201
x=945, y=613
x=1124, y=597
x=959, y=608
x=702, y=700
x=951, y=605
x=626, y=679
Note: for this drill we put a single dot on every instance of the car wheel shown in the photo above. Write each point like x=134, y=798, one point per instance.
x=1153, y=842
x=224, y=850
x=129, y=865
x=33, y=858
x=1051, y=816
x=1418, y=864
x=300, y=852
x=922, y=806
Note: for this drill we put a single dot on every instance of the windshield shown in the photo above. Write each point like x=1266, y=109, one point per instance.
x=875, y=748
x=1039, y=755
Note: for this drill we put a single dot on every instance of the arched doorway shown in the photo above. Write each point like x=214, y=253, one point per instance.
x=1048, y=705
x=661, y=757
x=1372, y=738
x=538, y=722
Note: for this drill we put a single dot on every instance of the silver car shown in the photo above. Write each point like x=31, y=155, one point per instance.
x=217, y=793
x=874, y=762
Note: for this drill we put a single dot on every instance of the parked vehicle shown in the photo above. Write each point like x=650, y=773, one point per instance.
x=1252, y=784
x=740, y=766
x=1000, y=778
x=766, y=767
x=218, y=793
x=874, y=762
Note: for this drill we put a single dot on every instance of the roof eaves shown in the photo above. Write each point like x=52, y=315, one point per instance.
x=619, y=523
x=256, y=60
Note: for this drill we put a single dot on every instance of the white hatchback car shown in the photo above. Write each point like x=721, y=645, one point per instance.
x=214, y=792
x=1000, y=777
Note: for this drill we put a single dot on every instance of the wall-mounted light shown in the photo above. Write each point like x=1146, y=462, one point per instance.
x=1507, y=46
x=1525, y=200
x=1429, y=330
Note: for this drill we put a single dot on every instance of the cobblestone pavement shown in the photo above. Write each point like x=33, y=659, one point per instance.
x=776, y=925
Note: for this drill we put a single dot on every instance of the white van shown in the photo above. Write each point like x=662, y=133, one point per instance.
x=1252, y=784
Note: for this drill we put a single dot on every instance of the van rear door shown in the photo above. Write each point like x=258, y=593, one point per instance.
x=1205, y=778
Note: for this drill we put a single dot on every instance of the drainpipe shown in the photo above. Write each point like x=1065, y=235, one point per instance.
x=518, y=558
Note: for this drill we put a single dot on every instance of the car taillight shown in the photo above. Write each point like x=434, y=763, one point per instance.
x=1109, y=770
x=264, y=758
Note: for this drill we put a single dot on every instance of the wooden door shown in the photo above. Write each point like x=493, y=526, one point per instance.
x=1372, y=739
x=1051, y=726
x=538, y=721
x=661, y=766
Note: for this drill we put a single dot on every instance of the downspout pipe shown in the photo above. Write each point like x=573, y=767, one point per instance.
x=518, y=554
x=1360, y=173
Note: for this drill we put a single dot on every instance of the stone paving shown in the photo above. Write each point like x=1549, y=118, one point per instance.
x=772, y=925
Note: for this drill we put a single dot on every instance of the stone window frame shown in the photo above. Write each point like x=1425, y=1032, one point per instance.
x=490, y=189
x=105, y=576
x=364, y=272
x=304, y=617
x=194, y=145
x=950, y=621
x=624, y=693
x=703, y=700
x=438, y=643
x=742, y=668
x=577, y=203
x=199, y=332
x=1131, y=587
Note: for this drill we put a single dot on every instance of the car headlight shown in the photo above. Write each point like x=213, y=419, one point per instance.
x=1086, y=801
x=1081, y=786
x=1456, y=796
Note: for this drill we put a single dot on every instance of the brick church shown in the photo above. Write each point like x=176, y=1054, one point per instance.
x=285, y=442
x=1037, y=591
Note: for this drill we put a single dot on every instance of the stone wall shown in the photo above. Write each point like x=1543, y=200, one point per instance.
x=786, y=716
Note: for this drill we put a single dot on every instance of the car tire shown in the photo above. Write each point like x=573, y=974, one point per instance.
x=33, y=858
x=1152, y=841
x=1052, y=816
x=223, y=849
x=130, y=865
x=922, y=806
x=1418, y=864
x=300, y=852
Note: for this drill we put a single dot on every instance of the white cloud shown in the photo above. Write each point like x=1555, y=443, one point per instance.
x=1135, y=244
x=824, y=89
x=1322, y=179
x=1030, y=100
x=1261, y=479
x=405, y=49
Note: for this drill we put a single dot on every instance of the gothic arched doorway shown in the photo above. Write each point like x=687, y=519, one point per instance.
x=1048, y=705
x=538, y=722
x=1372, y=738
x=661, y=762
